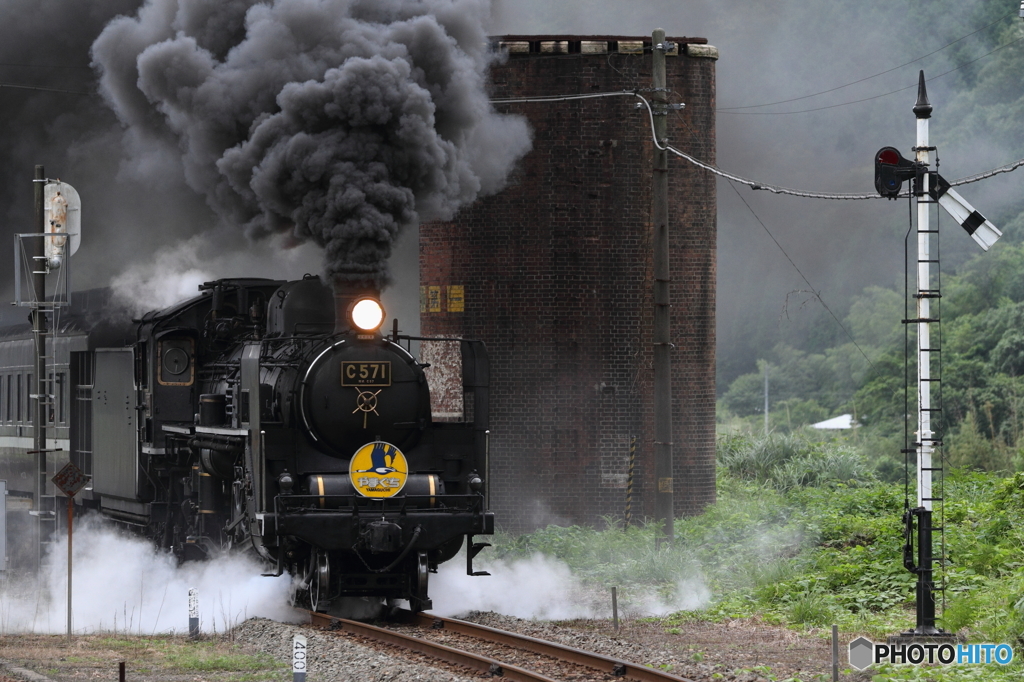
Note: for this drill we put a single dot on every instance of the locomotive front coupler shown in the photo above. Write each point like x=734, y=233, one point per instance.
x=381, y=536
x=388, y=540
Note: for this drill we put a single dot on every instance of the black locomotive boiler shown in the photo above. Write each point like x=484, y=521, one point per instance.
x=277, y=417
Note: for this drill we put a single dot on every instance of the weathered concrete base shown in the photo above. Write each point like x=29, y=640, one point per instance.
x=23, y=673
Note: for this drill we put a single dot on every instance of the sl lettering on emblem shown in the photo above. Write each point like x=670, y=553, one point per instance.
x=378, y=469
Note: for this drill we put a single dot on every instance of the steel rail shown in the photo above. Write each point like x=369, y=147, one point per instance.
x=428, y=648
x=606, y=664
x=619, y=668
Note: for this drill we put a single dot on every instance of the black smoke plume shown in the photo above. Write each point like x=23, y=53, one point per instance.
x=336, y=121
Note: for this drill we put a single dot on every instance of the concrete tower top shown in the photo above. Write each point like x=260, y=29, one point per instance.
x=597, y=44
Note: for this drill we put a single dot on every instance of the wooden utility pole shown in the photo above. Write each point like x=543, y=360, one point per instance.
x=662, y=345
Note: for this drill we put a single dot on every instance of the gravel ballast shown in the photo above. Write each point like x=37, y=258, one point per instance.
x=333, y=656
x=736, y=651
x=741, y=651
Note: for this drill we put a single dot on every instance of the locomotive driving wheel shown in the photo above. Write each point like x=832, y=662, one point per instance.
x=420, y=601
x=320, y=581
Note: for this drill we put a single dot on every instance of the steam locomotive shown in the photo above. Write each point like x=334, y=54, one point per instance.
x=270, y=416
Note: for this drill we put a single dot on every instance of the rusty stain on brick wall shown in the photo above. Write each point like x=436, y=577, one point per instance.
x=444, y=378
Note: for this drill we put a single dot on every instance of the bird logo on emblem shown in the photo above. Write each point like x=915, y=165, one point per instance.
x=378, y=469
x=381, y=460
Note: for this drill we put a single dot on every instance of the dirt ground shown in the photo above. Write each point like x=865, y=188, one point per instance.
x=161, y=659
x=766, y=650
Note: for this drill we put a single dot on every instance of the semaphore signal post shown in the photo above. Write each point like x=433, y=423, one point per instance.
x=57, y=221
x=929, y=188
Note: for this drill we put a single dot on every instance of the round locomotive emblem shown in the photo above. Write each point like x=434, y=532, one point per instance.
x=378, y=469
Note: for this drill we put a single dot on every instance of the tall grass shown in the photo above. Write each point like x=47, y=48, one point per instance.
x=747, y=539
x=787, y=461
x=751, y=539
x=616, y=555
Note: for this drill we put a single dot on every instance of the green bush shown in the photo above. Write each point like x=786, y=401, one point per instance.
x=968, y=448
x=812, y=609
x=787, y=461
x=960, y=613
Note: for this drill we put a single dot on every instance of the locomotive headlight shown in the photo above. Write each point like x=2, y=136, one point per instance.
x=367, y=314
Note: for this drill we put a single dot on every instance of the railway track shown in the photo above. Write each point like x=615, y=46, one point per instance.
x=489, y=650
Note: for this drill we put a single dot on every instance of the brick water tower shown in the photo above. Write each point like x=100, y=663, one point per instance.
x=555, y=275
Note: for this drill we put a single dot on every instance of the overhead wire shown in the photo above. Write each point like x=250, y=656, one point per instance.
x=753, y=184
x=657, y=143
x=563, y=98
x=868, y=99
x=44, y=66
x=37, y=87
x=867, y=78
x=817, y=294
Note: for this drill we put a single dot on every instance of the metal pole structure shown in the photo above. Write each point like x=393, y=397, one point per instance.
x=38, y=264
x=835, y=653
x=662, y=345
x=71, y=518
x=925, y=436
x=615, y=609
x=766, y=397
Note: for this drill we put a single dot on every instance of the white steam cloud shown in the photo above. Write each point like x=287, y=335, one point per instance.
x=121, y=583
x=541, y=587
x=176, y=272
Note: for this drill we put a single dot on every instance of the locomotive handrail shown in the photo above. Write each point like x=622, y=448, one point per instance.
x=305, y=337
x=405, y=337
x=221, y=431
x=454, y=503
x=369, y=501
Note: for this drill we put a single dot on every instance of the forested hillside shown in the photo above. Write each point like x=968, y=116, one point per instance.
x=858, y=367
x=982, y=368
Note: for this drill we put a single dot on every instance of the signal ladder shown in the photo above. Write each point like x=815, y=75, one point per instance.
x=46, y=509
x=930, y=497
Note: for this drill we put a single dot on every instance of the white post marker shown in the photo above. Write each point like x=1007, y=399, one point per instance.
x=193, y=613
x=299, y=658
